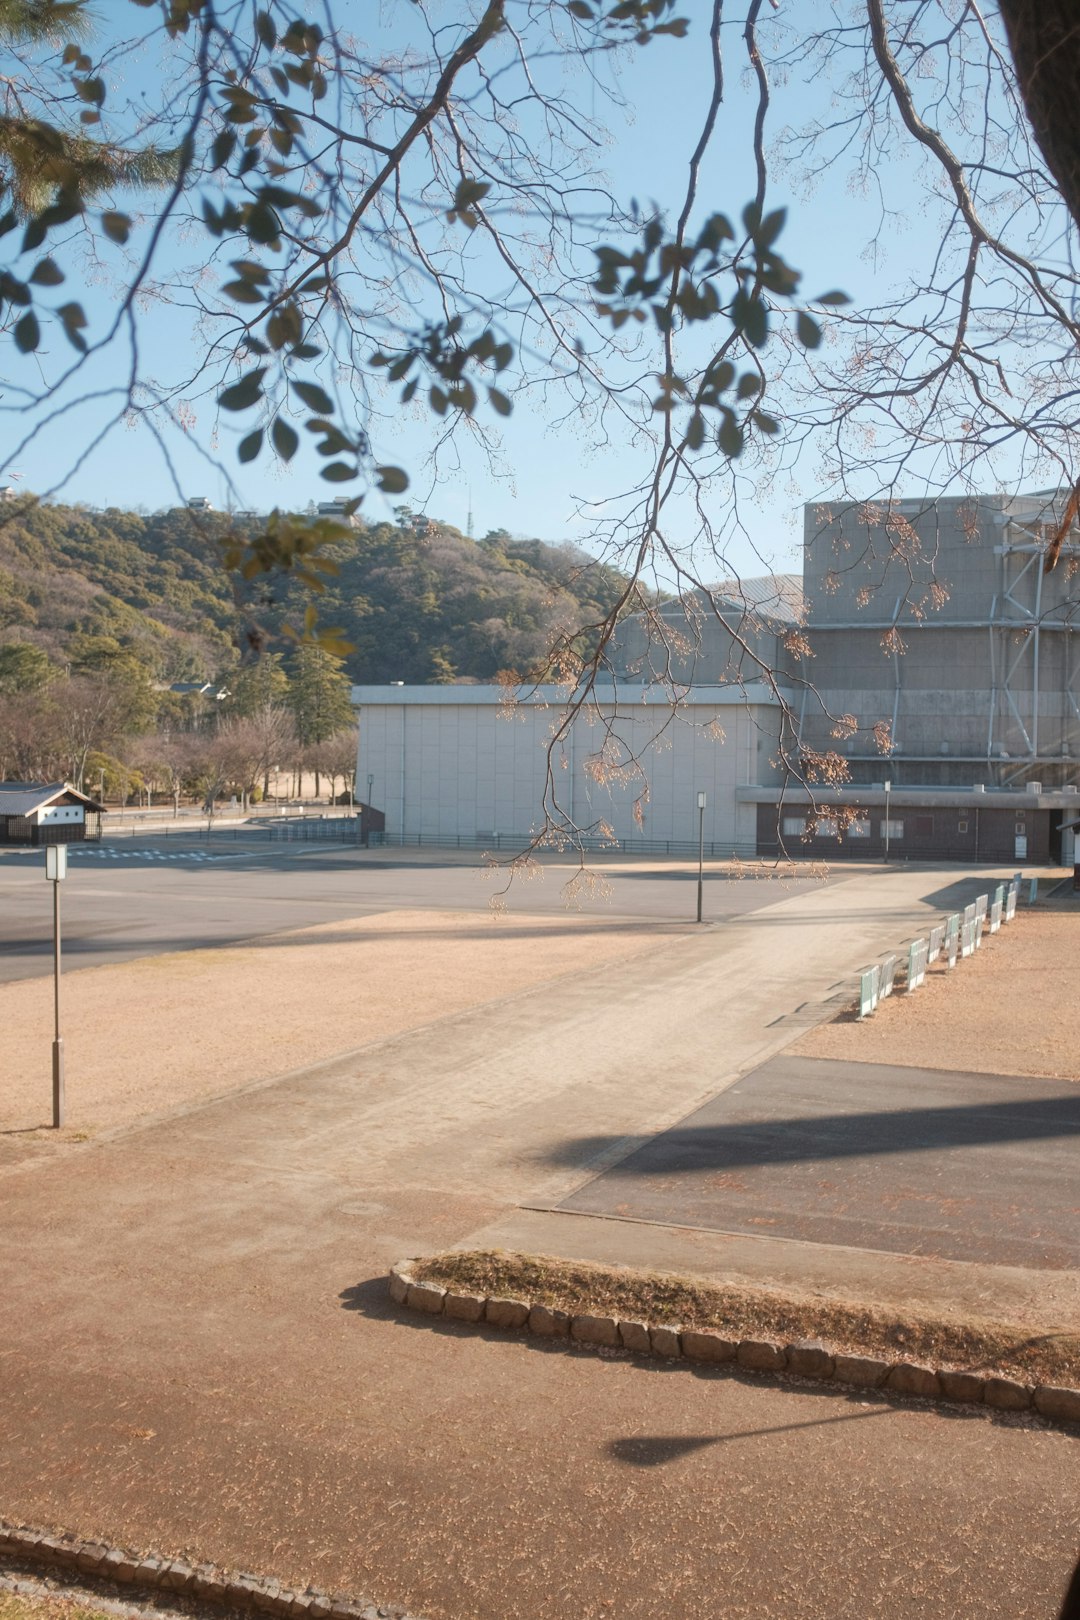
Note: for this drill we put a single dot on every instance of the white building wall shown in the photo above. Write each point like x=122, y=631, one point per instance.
x=448, y=762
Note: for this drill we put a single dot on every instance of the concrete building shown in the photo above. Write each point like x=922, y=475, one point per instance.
x=930, y=631
x=938, y=621
x=451, y=764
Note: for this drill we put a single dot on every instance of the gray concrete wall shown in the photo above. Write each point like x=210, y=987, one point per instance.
x=447, y=763
x=691, y=643
x=920, y=618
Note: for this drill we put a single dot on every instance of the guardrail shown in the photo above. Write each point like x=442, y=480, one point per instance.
x=344, y=829
x=959, y=936
x=714, y=851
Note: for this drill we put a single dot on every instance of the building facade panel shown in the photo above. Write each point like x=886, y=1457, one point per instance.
x=449, y=763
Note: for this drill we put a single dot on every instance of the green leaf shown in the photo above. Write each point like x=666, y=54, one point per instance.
x=833, y=300
x=242, y=292
x=749, y=385
x=730, y=436
x=243, y=393
x=392, y=480
x=27, y=333
x=695, y=432
x=809, y=331
x=500, y=402
x=74, y=320
x=339, y=472
x=117, y=227
x=47, y=274
x=250, y=446
x=314, y=397
x=286, y=439
x=222, y=149
x=264, y=27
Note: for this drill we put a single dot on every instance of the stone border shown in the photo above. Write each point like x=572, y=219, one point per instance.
x=68, y=1554
x=808, y=1358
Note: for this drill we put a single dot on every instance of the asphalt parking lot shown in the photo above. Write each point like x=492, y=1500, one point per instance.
x=140, y=897
x=952, y=1166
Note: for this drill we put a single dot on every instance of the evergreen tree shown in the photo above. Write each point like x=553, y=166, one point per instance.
x=319, y=697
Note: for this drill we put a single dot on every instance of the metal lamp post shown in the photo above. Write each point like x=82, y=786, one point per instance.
x=700, y=851
x=55, y=872
x=888, y=790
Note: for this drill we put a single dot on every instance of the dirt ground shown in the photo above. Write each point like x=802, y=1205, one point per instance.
x=145, y=1037
x=1009, y=1009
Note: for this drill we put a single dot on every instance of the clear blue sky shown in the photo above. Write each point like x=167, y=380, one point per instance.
x=546, y=466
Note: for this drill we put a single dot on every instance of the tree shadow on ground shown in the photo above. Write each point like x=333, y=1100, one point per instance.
x=692, y=1148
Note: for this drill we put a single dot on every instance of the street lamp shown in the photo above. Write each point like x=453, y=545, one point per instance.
x=700, y=850
x=888, y=790
x=55, y=872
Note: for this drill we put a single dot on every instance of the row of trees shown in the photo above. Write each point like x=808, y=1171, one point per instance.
x=104, y=725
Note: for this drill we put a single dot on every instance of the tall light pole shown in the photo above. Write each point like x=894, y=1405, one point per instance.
x=700, y=850
x=56, y=871
x=888, y=790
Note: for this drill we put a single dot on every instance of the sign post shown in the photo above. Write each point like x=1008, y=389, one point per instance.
x=56, y=872
x=700, y=851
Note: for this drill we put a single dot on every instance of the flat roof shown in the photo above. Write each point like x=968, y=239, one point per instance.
x=913, y=796
x=627, y=694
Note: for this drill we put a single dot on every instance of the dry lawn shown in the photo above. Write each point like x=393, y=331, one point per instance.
x=1009, y=1009
x=741, y=1311
x=149, y=1036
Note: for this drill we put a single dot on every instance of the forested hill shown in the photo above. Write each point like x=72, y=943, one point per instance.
x=418, y=603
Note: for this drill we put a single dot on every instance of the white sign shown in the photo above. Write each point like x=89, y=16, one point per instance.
x=1020, y=852
x=55, y=862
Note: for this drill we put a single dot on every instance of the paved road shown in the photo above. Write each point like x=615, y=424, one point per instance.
x=953, y=1166
x=198, y=1352
x=125, y=899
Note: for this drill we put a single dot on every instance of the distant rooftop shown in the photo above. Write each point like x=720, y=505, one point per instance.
x=779, y=596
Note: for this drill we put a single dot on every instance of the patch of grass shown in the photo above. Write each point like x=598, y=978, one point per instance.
x=22, y=1607
x=741, y=1311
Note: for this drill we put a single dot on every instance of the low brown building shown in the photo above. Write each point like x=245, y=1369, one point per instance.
x=1021, y=825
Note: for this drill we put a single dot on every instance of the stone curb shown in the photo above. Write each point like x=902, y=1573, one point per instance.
x=27, y=1547
x=807, y=1359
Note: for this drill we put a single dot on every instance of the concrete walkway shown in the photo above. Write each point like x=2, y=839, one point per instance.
x=197, y=1351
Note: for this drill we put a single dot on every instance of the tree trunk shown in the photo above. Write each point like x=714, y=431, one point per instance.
x=1044, y=38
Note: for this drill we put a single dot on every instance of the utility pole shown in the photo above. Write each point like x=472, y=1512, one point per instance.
x=700, y=852
x=888, y=790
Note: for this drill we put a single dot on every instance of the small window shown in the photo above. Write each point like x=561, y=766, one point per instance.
x=825, y=827
x=892, y=829
x=1021, y=829
x=961, y=826
x=859, y=828
x=794, y=826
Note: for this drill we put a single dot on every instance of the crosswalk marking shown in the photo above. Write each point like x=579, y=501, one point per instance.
x=155, y=854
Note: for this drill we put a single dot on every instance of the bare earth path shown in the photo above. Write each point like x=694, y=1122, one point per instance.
x=197, y=1353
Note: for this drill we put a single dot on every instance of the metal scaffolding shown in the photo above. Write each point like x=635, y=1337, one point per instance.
x=1019, y=623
